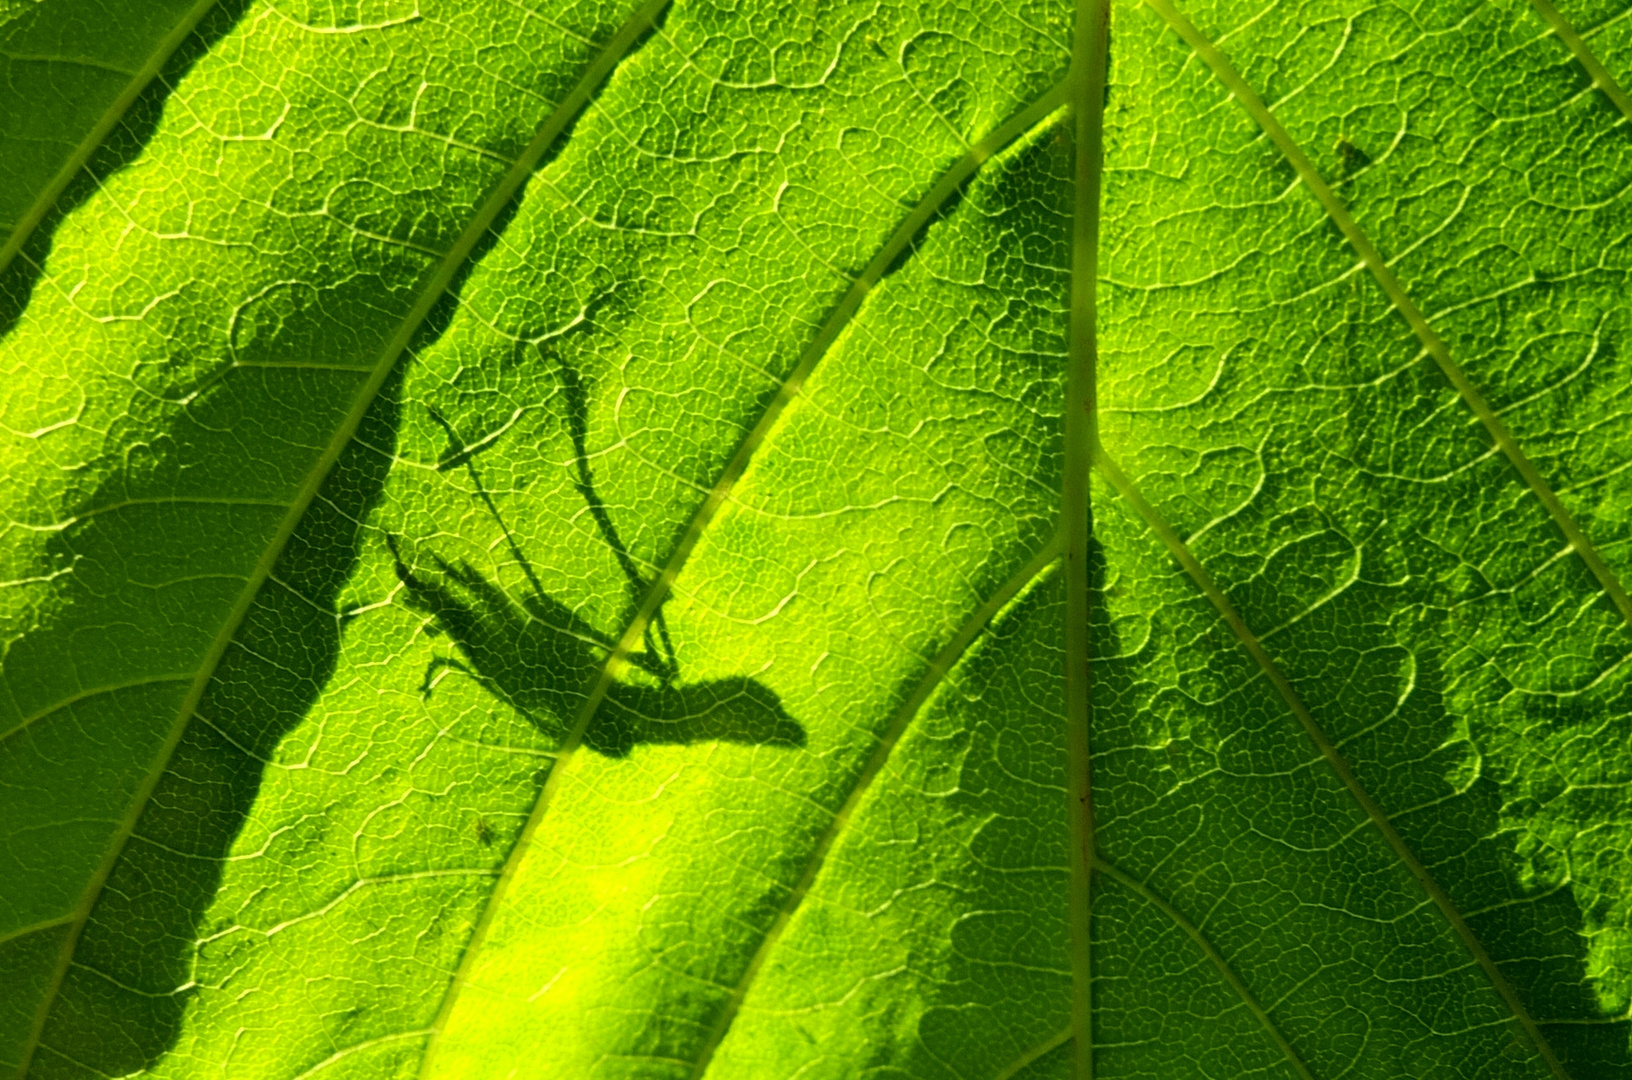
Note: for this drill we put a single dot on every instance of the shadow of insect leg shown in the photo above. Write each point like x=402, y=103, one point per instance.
x=659, y=659
x=439, y=666
x=437, y=669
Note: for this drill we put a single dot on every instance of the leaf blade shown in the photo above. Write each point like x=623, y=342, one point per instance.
x=804, y=793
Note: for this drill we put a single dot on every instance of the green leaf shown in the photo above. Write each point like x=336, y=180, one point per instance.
x=543, y=540
x=73, y=71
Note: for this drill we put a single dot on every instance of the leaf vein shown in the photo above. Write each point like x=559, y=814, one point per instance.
x=435, y=286
x=934, y=675
x=1602, y=80
x=1204, y=581
x=96, y=691
x=1193, y=932
x=1432, y=343
x=1031, y=1054
x=35, y=928
x=24, y=228
x=943, y=189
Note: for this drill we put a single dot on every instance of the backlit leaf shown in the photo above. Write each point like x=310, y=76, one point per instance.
x=533, y=539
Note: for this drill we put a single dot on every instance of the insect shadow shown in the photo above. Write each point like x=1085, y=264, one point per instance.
x=540, y=658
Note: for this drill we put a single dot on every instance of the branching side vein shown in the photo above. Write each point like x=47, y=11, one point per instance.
x=25, y=226
x=1339, y=765
x=1432, y=343
x=921, y=214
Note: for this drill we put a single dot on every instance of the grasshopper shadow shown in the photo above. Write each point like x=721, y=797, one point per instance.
x=539, y=658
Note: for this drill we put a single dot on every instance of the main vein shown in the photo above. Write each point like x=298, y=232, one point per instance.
x=1081, y=433
x=1432, y=344
x=435, y=286
x=1204, y=581
x=634, y=634
x=25, y=226
x=1602, y=80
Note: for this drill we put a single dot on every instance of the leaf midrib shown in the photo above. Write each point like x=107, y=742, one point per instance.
x=1090, y=64
x=498, y=198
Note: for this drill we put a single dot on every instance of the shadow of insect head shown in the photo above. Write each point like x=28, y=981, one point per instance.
x=540, y=658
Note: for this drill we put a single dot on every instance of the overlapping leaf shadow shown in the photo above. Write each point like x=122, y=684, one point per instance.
x=121, y=1007
x=123, y=145
x=1539, y=935
x=539, y=657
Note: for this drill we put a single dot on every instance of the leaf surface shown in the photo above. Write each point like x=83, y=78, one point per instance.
x=535, y=545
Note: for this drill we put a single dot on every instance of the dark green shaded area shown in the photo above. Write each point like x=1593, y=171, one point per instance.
x=63, y=64
x=33, y=956
x=59, y=89
x=121, y=1006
